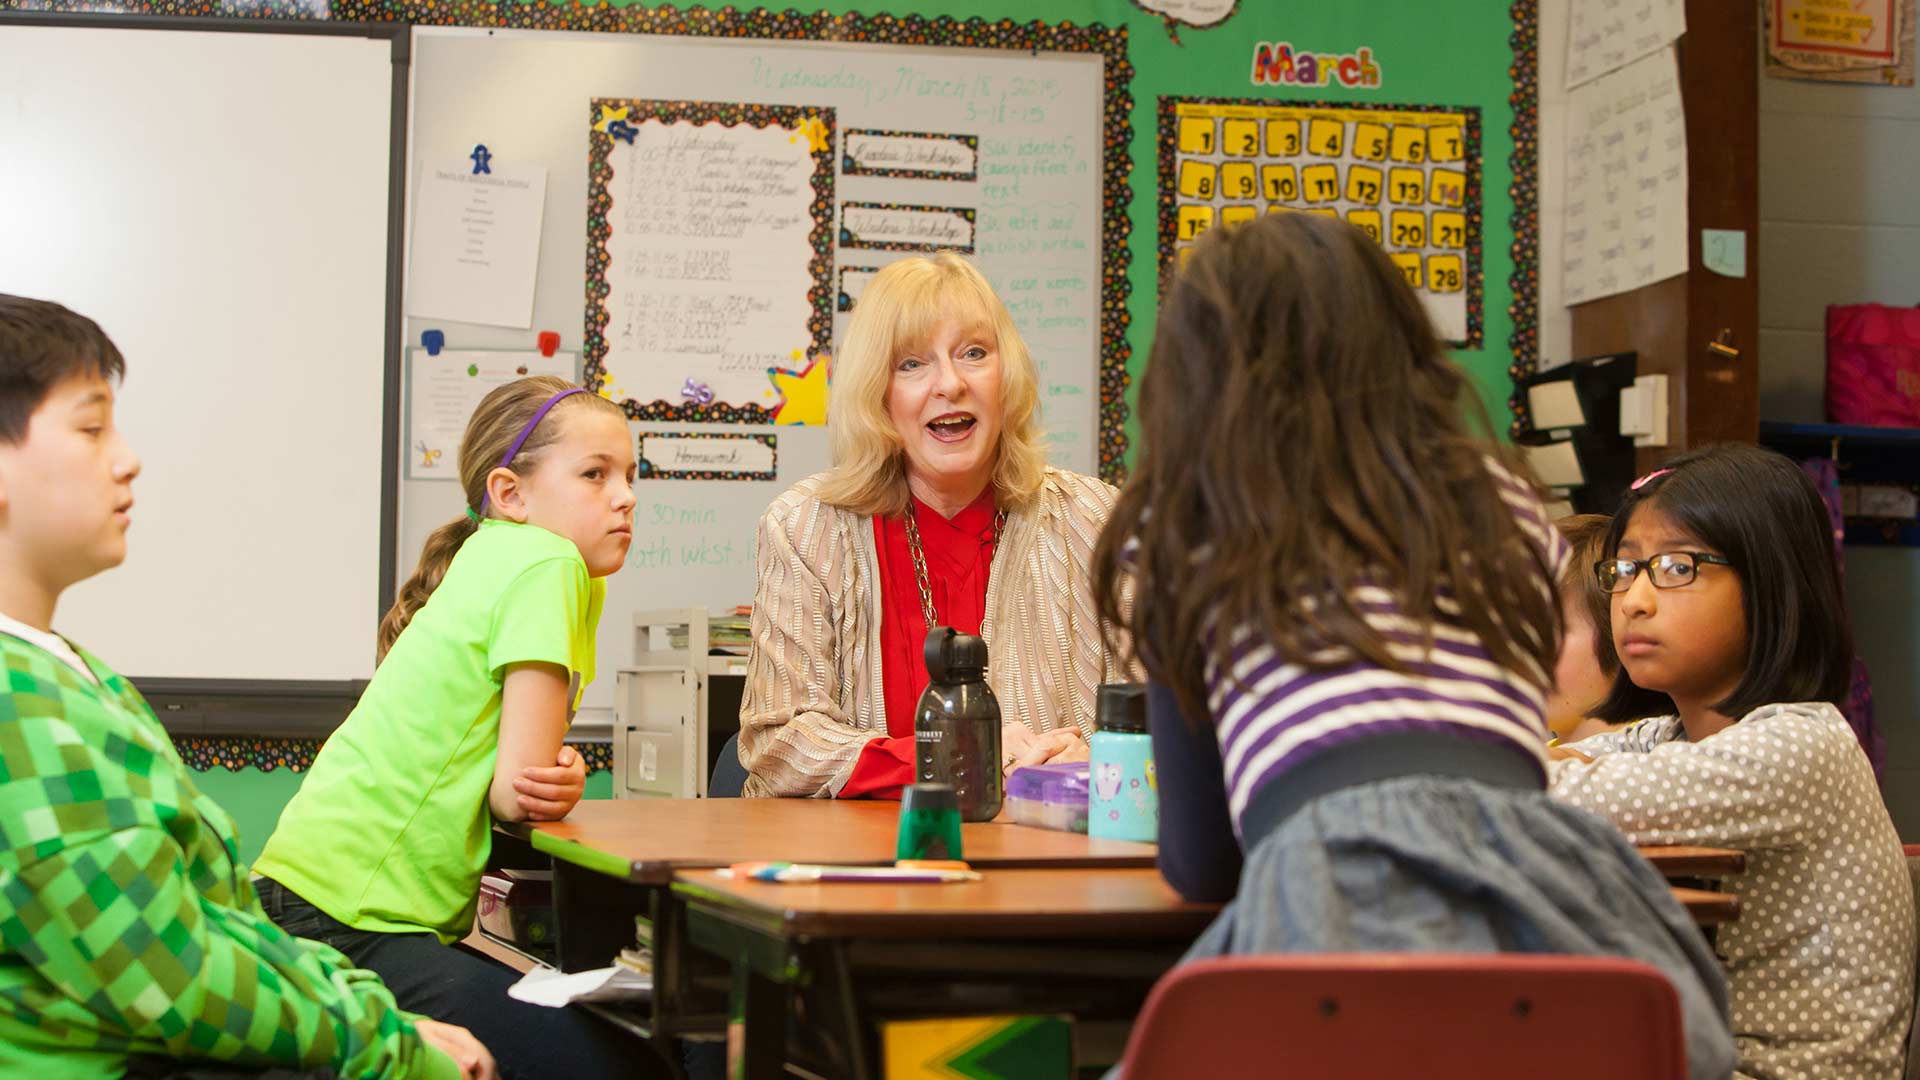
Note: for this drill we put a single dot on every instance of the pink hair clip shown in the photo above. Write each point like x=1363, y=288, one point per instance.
x=1649, y=478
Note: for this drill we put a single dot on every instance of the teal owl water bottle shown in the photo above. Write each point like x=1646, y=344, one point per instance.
x=1123, y=799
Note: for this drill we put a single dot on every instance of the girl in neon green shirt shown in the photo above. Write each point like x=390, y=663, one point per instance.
x=483, y=658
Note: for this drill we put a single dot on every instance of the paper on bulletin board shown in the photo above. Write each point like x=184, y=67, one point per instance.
x=1625, y=221
x=476, y=245
x=443, y=390
x=709, y=228
x=1607, y=35
x=1860, y=41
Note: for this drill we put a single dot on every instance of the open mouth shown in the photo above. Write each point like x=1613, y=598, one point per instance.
x=952, y=427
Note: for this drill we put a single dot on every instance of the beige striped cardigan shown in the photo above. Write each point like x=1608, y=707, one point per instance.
x=813, y=698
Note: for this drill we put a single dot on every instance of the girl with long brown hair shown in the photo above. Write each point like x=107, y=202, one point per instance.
x=1345, y=596
x=483, y=659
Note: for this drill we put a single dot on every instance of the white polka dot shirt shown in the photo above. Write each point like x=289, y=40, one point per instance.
x=1820, y=962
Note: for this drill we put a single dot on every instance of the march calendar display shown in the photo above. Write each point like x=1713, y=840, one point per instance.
x=1406, y=175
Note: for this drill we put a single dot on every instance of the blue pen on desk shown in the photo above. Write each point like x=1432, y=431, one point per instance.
x=805, y=873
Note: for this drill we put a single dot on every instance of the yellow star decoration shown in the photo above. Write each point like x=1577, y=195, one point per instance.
x=608, y=114
x=803, y=393
x=816, y=133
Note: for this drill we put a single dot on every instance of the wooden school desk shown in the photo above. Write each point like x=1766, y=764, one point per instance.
x=614, y=859
x=1701, y=863
x=1709, y=909
x=1089, y=943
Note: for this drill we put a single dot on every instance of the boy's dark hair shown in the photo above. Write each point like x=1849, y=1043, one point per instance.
x=1762, y=513
x=42, y=343
x=1303, y=438
x=1586, y=534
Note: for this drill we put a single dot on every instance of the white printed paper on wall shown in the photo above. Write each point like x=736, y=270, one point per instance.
x=1607, y=35
x=476, y=243
x=1625, y=223
x=708, y=231
x=443, y=389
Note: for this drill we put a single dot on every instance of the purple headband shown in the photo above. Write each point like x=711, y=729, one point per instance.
x=525, y=433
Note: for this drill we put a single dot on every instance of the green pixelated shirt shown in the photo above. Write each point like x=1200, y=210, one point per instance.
x=127, y=924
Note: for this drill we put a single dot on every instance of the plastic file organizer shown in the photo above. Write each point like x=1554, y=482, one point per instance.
x=673, y=707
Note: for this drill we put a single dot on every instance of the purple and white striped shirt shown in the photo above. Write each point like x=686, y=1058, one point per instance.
x=1272, y=715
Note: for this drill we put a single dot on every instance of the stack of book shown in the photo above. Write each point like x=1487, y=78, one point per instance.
x=730, y=633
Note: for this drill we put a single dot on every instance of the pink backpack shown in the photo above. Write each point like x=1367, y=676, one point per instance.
x=1873, y=365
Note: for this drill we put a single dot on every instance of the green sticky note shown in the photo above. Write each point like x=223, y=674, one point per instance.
x=1724, y=251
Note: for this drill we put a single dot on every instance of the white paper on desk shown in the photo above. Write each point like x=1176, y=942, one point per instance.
x=1625, y=216
x=476, y=245
x=554, y=988
x=443, y=390
x=1607, y=35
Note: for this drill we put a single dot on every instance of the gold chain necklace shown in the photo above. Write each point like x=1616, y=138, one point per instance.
x=920, y=560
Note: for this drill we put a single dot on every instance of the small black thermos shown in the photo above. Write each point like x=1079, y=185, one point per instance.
x=956, y=726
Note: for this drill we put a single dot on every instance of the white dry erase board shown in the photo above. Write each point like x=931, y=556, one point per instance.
x=217, y=198
x=530, y=98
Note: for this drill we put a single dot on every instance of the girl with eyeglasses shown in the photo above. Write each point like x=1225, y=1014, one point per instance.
x=1734, y=646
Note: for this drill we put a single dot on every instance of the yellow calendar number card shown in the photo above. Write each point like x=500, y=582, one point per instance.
x=1197, y=179
x=1370, y=142
x=1409, y=143
x=1321, y=183
x=1196, y=135
x=1195, y=220
x=1409, y=229
x=1279, y=183
x=1283, y=138
x=1323, y=136
x=1241, y=138
x=1237, y=182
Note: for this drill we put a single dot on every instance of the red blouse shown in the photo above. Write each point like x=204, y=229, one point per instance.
x=959, y=556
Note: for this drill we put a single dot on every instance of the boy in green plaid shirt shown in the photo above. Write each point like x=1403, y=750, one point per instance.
x=129, y=933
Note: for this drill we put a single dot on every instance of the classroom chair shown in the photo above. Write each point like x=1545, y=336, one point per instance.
x=729, y=776
x=1913, y=1036
x=1438, y=1016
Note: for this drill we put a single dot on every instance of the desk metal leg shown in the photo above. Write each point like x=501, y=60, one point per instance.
x=846, y=1008
x=757, y=1026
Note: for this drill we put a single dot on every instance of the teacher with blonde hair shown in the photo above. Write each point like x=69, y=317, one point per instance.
x=939, y=510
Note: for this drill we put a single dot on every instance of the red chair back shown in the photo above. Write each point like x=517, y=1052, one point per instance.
x=1439, y=1017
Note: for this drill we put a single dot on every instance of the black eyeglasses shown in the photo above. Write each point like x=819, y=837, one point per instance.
x=1671, y=570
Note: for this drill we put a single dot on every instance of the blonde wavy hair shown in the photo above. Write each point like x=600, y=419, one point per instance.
x=900, y=309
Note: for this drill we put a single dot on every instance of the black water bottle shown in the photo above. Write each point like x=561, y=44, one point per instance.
x=956, y=726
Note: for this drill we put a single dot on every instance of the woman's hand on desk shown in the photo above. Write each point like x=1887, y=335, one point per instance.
x=1020, y=746
x=1016, y=740
x=549, y=793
